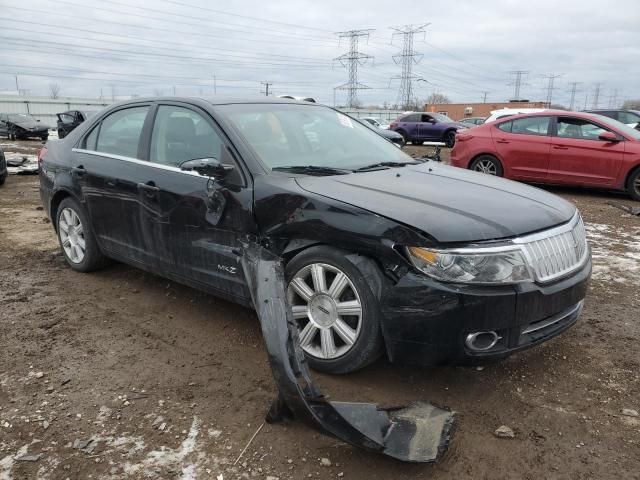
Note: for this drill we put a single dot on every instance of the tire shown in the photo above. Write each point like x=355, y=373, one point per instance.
x=633, y=185
x=3, y=179
x=449, y=138
x=404, y=135
x=69, y=217
x=487, y=164
x=356, y=336
x=45, y=137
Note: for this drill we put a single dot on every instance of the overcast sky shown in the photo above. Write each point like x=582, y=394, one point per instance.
x=91, y=47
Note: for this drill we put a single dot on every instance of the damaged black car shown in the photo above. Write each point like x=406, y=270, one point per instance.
x=21, y=126
x=383, y=253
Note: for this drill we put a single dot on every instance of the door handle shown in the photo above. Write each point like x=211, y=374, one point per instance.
x=560, y=147
x=149, y=187
x=79, y=170
x=502, y=140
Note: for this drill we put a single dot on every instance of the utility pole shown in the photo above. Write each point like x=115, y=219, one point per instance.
x=586, y=100
x=215, y=86
x=551, y=79
x=266, y=88
x=484, y=97
x=174, y=90
x=574, y=89
x=517, y=83
x=596, y=96
x=351, y=60
x=17, y=86
x=406, y=59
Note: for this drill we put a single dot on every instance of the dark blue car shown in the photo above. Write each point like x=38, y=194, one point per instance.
x=427, y=127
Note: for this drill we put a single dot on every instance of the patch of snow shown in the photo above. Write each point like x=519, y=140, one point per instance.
x=615, y=253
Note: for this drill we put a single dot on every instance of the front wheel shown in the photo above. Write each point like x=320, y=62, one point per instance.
x=336, y=312
x=76, y=237
x=633, y=185
x=487, y=164
x=450, y=139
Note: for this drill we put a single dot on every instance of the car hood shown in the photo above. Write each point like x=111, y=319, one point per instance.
x=446, y=203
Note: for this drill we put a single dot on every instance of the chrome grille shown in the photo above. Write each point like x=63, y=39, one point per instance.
x=556, y=252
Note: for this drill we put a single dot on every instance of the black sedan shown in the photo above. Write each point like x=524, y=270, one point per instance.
x=19, y=126
x=3, y=168
x=382, y=252
x=69, y=120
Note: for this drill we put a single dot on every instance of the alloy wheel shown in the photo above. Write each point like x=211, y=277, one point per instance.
x=327, y=308
x=72, y=235
x=486, y=166
x=636, y=185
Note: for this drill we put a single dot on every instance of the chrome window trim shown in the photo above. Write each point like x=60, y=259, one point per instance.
x=138, y=162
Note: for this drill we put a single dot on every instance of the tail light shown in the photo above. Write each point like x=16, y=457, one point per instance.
x=41, y=154
x=393, y=125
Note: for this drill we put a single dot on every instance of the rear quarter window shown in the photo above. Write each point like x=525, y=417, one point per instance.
x=505, y=126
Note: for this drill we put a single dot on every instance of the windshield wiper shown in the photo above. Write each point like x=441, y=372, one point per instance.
x=313, y=170
x=382, y=165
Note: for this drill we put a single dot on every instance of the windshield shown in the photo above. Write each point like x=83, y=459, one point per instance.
x=20, y=118
x=441, y=118
x=625, y=129
x=284, y=135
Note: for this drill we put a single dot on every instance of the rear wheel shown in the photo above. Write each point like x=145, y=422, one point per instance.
x=336, y=312
x=404, y=136
x=450, y=139
x=3, y=178
x=76, y=237
x=633, y=185
x=487, y=164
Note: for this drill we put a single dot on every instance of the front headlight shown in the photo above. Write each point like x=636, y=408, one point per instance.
x=484, y=266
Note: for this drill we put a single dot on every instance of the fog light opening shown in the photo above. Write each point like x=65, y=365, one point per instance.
x=482, y=341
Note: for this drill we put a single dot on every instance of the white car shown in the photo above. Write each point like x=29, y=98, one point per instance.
x=507, y=112
x=375, y=123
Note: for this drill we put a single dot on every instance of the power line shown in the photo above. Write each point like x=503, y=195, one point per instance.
x=351, y=60
x=406, y=59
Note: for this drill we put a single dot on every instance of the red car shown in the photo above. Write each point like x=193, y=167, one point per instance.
x=558, y=147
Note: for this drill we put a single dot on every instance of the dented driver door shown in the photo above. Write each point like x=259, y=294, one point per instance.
x=193, y=222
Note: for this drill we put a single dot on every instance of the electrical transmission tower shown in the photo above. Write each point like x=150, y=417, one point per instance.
x=517, y=83
x=551, y=79
x=574, y=89
x=351, y=60
x=596, y=96
x=407, y=58
x=266, y=88
x=613, y=99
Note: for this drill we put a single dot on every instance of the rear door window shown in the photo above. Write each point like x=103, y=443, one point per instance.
x=530, y=126
x=120, y=132
x=505, y=126
x=411, y=118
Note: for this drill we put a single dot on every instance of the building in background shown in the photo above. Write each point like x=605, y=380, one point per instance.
x=458, y=111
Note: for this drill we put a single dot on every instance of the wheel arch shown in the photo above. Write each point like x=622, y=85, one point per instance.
x=631, y=171
x=482, y=154
x=56, y=200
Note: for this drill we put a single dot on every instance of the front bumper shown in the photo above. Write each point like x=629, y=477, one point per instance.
x=427, y=322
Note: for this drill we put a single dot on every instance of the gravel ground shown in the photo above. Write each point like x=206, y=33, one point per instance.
x=121, y=374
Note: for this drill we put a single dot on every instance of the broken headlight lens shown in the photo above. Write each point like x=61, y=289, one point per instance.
x=484, y=266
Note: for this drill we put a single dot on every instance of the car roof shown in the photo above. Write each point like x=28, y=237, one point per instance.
x=218, y=100
x=546, y=113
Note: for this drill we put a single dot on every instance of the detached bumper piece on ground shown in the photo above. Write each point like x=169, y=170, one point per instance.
x=417, y=433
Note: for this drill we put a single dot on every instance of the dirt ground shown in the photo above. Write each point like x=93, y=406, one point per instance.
x=121, y=374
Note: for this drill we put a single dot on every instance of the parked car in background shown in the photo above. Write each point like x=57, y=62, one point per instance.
x=420, y=127
x=69, y=120
x=381, y=251
x=472, y=121
x=390, y=135
x=375, y=122
x=3, y=167
x=22, y=126
x=510, y=112
x=558, y=147
x=628, y=117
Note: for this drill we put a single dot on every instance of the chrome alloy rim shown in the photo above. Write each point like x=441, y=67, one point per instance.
x=636, y=185
x=72, y=235
x=327, y=309
x=486, y=166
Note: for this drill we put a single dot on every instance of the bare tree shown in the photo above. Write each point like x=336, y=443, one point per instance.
x=437, y=99
x=54, y=90
x=633, y=104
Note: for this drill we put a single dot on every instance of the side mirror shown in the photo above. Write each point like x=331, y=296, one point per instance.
x=608, y=137
x=207, y=167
